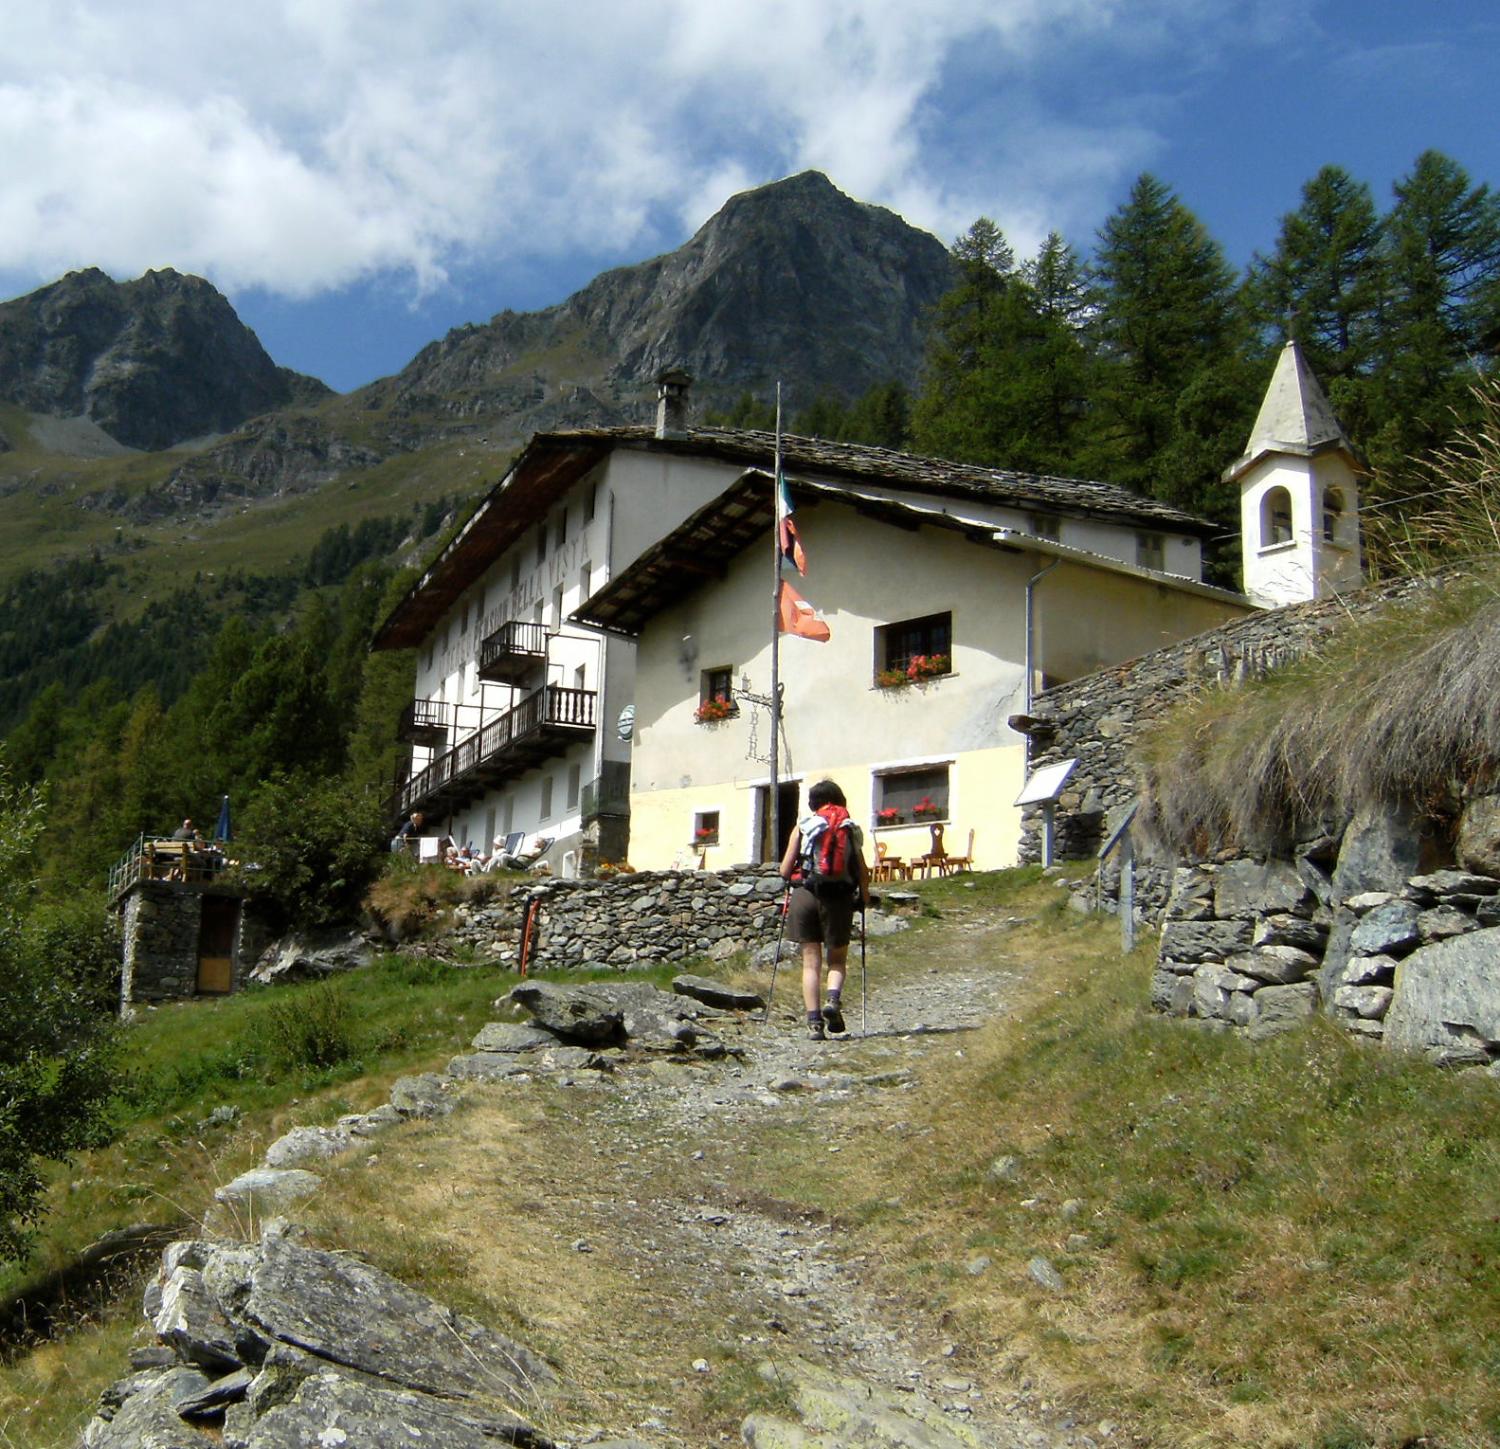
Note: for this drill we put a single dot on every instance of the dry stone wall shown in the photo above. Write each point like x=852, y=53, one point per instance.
x=628, y=922
x=1393, y=952
x=1097, y=719
x=161, y=923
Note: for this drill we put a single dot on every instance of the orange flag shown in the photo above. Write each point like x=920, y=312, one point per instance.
x=794, y=615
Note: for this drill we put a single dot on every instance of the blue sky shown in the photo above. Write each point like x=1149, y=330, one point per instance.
x=361, y=175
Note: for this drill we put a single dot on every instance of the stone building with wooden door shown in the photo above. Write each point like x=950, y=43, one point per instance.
x=188, y=929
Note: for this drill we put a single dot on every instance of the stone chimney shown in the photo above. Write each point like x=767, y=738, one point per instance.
x=672, y=386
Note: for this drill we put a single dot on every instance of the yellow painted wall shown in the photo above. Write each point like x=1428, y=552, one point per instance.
x=982, y=786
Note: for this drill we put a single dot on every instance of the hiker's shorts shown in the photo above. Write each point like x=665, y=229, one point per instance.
x=828, y=919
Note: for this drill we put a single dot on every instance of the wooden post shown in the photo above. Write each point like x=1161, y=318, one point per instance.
x=1127, y=893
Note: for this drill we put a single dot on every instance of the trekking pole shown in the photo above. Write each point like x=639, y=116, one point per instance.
x=776, y=959
x=864, y=978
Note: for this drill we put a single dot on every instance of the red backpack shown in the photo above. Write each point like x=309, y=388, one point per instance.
x=827, y=864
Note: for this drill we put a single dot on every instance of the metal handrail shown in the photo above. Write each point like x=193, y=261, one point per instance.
x=512, y=640
x=554, y=704
x=161, y=858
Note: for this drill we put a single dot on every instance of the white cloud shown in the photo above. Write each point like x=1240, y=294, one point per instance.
x=301, y=145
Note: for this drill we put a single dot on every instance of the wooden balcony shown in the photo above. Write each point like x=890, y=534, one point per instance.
x=424, y=722
x=544, y=724
x=513, y=653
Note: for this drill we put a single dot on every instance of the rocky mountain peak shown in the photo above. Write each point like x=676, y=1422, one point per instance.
x=153, y=362
x=792, y=281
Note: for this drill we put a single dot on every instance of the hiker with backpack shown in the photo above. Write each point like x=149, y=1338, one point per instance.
x=825, y=864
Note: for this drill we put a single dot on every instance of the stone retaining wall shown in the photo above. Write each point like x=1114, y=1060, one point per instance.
x=629, y=921
x=1096, y=720
x=1356, y=928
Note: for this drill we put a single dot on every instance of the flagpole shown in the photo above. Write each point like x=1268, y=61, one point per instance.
x=774, y=799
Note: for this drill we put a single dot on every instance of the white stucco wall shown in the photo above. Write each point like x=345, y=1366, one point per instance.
x=636, y=498
x=862, y=575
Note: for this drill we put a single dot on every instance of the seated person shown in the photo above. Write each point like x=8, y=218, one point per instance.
x=512, y=854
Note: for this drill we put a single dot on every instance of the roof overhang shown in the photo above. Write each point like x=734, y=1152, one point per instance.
x=550, y=464
x=701, y=548
x=1242, y=465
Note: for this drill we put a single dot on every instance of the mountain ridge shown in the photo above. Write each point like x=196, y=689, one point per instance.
x=154, y=362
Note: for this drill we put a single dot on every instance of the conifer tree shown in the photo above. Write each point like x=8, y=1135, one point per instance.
x=1165, y=300
x=1005, y=373
x=1443, y=311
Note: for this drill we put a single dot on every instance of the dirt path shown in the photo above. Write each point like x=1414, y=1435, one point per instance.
x=693, y=1208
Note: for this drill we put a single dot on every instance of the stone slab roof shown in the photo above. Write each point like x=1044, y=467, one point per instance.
x=699, y=549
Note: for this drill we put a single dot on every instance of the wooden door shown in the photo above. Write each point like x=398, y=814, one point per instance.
x=221, y=917
x=790, y=792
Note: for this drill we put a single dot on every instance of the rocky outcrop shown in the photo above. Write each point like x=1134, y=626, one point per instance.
x=277, y=1343
x=154, y=362
x=312, y=957
x=283, y=454
x=793, y=280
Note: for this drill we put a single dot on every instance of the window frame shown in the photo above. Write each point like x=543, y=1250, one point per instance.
x=1274, y=533
x=933, y=780
x=902, y=640
x=707, y=692
x=1151, y=551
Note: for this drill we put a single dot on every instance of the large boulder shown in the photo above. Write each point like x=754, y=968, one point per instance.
x=265, y=1191
x=349, y=1313
x=1204, y=940
x=1447, y=1000
x=331, y=1408
x=312, y=957
x=1381, y=849
x=1258, y=887
x=717, y=993
x=587, y=1015
x=1280, y=1008
x=1479, y=835
x=149, y=1417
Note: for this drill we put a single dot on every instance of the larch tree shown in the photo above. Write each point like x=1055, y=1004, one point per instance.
x=1324, y=283
x=1442, y=327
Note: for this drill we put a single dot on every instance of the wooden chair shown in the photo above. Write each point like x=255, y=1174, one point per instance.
x=888, y=867
x=936, y=858
x=956, y=863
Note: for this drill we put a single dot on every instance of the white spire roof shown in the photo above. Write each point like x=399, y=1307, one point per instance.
x=1294, y=417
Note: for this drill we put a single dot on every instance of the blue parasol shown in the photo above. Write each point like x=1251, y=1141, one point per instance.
x=222, y=831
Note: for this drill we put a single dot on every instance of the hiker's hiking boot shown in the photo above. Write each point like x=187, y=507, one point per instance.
x=833, y=1017
x=815, y=1030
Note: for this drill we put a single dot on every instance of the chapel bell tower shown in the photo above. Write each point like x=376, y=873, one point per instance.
x=1299, y=493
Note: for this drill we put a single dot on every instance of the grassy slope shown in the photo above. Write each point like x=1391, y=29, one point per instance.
x=1295, y=1244
x=41, y=520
